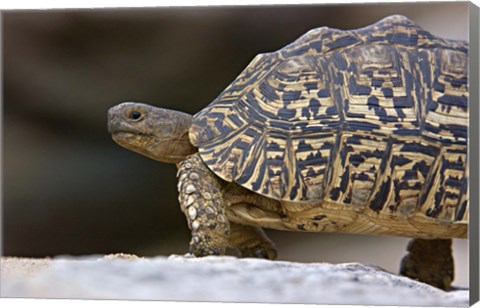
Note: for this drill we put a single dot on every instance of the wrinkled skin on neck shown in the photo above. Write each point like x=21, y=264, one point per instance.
x=157, y=133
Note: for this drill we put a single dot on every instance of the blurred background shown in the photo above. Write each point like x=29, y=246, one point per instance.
x=69, y=189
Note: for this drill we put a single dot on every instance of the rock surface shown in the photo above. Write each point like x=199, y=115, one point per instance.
x=227, y=279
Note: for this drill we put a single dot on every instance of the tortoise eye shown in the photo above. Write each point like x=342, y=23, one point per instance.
x=135, y=115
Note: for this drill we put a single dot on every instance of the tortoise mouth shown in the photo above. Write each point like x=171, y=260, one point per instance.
x=129, y=134
x=135, y=141
x=131, y=139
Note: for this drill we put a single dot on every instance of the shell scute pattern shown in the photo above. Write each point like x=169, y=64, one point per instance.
x=373, y=119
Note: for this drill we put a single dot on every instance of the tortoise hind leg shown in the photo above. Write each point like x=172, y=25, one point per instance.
x=251, y=242
x=429, y=261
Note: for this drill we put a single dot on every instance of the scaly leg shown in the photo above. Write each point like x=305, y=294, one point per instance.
x=429, y=261
x=202, y=202
x=251, y=242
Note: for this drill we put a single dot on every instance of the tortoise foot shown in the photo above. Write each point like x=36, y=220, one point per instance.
x=203, y=244
x=429, y=261
x=251, y=242
x=262, y=252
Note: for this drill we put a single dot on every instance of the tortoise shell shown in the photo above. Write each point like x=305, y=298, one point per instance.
x=375, y=117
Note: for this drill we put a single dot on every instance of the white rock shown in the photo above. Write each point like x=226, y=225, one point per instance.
x=228, y=279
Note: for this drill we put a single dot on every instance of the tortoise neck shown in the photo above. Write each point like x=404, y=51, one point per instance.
x=171, y=132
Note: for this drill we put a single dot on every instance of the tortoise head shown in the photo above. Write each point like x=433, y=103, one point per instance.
x=158, y=133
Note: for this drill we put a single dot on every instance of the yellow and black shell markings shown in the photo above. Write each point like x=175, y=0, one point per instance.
x=374, y=119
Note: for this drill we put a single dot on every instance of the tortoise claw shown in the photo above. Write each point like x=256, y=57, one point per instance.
x=261, y=252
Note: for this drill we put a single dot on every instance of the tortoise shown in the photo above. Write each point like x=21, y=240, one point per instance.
x=360, y=131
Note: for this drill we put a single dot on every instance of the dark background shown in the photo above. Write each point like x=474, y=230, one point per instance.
x=69, y=189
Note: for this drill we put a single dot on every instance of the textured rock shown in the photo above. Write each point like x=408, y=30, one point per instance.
x=218, y=279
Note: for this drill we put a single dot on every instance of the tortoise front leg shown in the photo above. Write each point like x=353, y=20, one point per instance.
x=429, y=261
x=251, y=242
x=202, y=202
